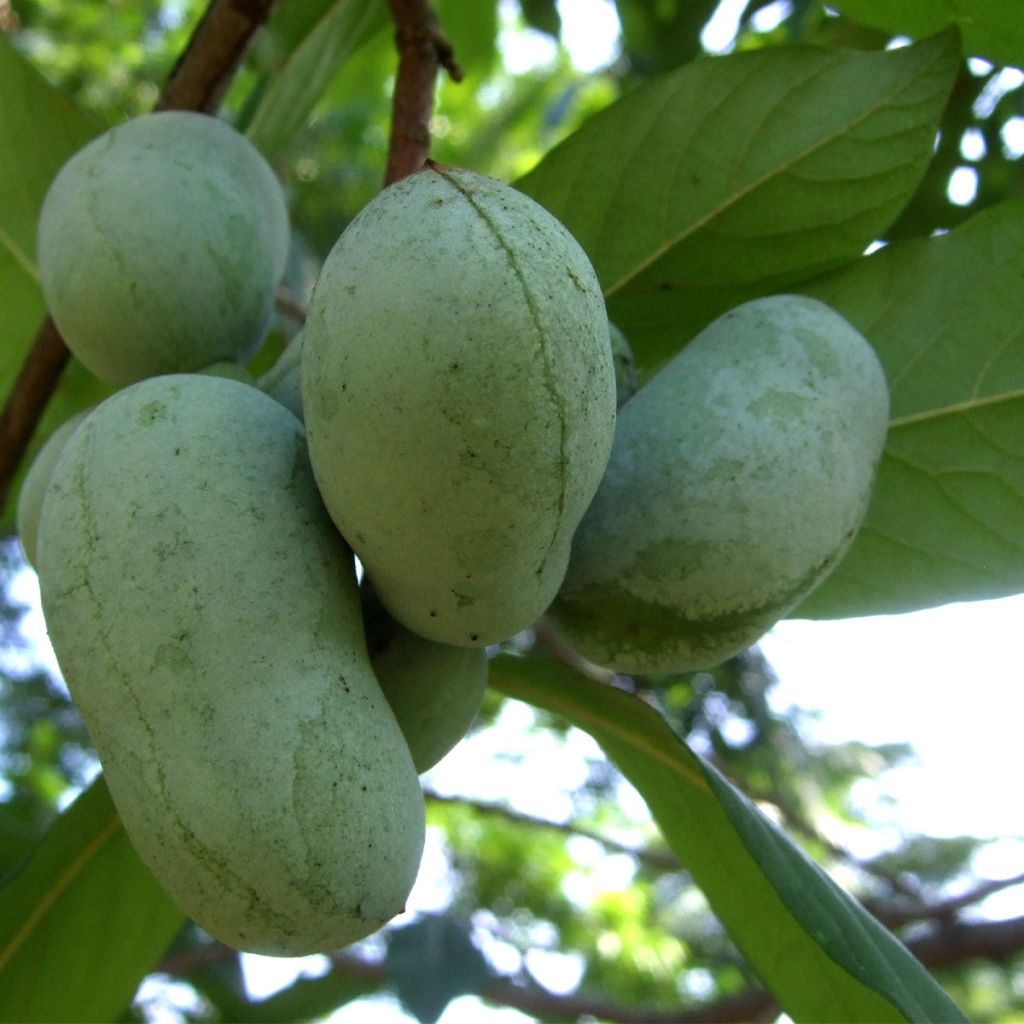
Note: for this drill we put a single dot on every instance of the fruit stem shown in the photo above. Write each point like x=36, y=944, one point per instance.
x=422, y=48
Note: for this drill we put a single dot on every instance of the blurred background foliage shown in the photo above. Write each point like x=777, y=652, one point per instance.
x=550, y=892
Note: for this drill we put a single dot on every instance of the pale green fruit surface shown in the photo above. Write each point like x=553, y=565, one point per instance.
x=37, y=479
x=205, y=614
x=282, y=381
x=435, y=690
x=459, y=398
x=739, y=476
x=160, y=245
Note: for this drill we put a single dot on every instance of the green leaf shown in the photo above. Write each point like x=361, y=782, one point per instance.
x=738, y=176
x=291, y=92
x=821, y=954
x=991, y=28
x=542, y=15
x=39, y=129
x=431, y=962
x=81, y=921
x=946, y=521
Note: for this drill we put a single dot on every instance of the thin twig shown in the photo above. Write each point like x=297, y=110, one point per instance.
x=205, y=68
x=422, y=49
x=197, y=82
x=662, y=860
x=896, y=916
x=290, y=305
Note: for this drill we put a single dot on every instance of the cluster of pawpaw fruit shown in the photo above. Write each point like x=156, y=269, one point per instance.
x=448, y=413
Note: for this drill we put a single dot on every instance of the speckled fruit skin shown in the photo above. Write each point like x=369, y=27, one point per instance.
x=206, y=617
x=37, y=479
x=281, y=381
x=459, y=398
x=160, y=245
x=739, y=476
x=435, y=690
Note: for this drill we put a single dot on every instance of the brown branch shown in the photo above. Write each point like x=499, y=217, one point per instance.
x=422, y=49
x=895, y=916
x=955, y=942
x=205, y=68
x=197, y=82
x=290, y=305
x=949, y=945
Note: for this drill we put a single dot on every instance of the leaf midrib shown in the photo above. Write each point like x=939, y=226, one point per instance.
x=60, y=885
x=956, y=409
x=730, y=201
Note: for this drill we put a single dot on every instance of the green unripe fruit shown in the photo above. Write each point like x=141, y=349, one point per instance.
x=626, y=382
x=205, y=613
x=160, y=246
x=435, y=690
x=739, y=476
x=281, y=381
x=459, y=398
x=37, y=479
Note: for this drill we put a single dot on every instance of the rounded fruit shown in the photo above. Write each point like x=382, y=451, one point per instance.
x=739, y=476
x=435, y=690
x=37, y=479
x=459, y=400
x=160, y=245
x=205, y=614
x=281, y=381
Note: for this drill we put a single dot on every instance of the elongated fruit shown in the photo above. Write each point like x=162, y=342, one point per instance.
x=459, y=397
x=205, y=614
x=739, y=476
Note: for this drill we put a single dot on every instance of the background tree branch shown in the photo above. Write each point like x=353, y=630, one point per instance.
x=197, y=82
x=949, y=944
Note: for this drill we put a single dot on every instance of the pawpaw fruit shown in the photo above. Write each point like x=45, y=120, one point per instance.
x=37, y=479
x=459, y=400
x=205, y=614
x=160, y=244
x=435, y=690
x=740, y=474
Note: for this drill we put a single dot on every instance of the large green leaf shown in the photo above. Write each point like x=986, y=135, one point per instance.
x=39, y=129
x=990, y=28
x=738, y=176
x=81, y=921
x=291, y=91
x=946, y=522
x=822, y=955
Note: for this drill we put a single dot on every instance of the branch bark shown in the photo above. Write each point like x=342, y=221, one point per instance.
x=422, y=49
x=950, y=944
x=197, y=82
x=205, y=68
